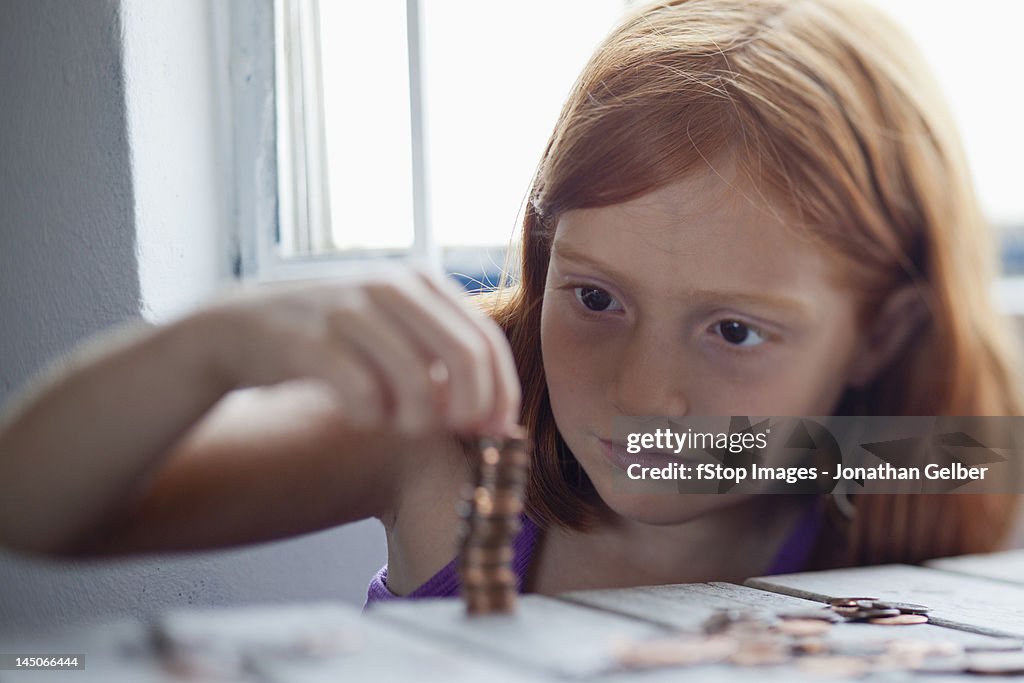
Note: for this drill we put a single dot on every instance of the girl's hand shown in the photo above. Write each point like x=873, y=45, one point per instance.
x=402, y=349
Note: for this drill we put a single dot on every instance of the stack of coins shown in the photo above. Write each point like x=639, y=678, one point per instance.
x=490, y=510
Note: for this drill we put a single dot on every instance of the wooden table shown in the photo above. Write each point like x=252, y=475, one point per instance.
x=976, y=601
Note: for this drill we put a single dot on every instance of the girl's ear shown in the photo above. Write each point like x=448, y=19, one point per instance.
x=896, y=321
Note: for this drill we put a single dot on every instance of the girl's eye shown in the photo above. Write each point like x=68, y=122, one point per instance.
x=596, y=299
x=738, y=334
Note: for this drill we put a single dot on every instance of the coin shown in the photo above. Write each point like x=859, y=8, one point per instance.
x=729, y=619
x=495, y=577
x=992, y=644
x=676, y=651
x=486, y=556
x=803, y=627
x=1000, y=663
x=822, y=614
x=490, y=604
x=761, y=651
x=810, y=646
x=904, y=607
x=866, y=614
x=501, y=506
x=926, y=648
x=833, y=665
x=847, y=602
x=900, y=620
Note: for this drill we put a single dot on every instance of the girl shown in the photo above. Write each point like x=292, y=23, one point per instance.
x=752, y=207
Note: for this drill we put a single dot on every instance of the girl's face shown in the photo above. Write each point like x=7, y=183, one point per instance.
x=687, y=301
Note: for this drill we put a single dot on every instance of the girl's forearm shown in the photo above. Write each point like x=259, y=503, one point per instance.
x=86, y=437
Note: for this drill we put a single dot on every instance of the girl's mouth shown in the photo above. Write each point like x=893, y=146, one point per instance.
x=618, y=456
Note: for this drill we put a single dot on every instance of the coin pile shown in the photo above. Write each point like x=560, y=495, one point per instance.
x=490, y=510
x=882, y=612
x=755, y=638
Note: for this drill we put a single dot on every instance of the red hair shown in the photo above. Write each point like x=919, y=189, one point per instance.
x=829, y=113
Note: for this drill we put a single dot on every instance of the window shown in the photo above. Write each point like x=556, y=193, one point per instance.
x=414, y=127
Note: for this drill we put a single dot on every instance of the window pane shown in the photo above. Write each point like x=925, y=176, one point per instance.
x=495, y=78
x=366, y=117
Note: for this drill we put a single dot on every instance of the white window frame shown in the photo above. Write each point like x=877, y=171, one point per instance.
x=277, y=208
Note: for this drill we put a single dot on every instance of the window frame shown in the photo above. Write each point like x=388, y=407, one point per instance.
x=259, y=201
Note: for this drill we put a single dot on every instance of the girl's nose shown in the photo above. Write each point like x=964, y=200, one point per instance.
x=650, y=380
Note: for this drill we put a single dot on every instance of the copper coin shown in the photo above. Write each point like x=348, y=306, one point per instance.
x=675, y=651
x=866, y=614
x=995, y=644
x=822, y=614
x=802, y=628
x=488, y=555
x=728, y=619
x=488, y=591
x=488, y=532
x=498, y=606
x=490, y=455
x=491, y=599
x=498, y=577
x=846, y=611
x=761, y=652
x=500, y=506
x=833, y=665
x=900, y=620
x=847, y=602
x=996, y=663
x=905, y=607
x=810, y=646
x=512, y=480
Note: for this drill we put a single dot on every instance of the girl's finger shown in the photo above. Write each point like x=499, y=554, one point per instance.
x=505, y=411
x=447, y=336
x=397, y=363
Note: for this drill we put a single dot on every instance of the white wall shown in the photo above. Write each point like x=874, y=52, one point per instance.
x=179, y=134
x=117, y=199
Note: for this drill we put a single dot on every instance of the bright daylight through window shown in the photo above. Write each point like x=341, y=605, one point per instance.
x=415, y=126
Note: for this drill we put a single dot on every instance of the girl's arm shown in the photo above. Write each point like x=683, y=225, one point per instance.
x=348, y=371
x=94, y=427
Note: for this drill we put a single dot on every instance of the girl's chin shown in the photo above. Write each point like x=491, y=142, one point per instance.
x=663, y=508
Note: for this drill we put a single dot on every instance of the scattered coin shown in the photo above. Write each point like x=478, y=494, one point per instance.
x=677, y=651
x=833, y=666
x=900, y=620
x=802, y=628
x=869, y=614
x=810, y=646
x=761, y=638
x=925, y=648
x=822, y=614
x=995, y=645
x=326, y=643
x=762, y=651
x=736, y=619
x=996, y=663
x=848, y=602
x=904, y=607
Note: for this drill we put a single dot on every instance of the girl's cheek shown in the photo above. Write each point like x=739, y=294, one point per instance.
x=574, y=352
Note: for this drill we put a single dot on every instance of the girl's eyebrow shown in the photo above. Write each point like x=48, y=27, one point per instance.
x=791, y=307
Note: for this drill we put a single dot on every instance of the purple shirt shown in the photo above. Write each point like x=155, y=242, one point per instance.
x=792, y=557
